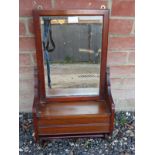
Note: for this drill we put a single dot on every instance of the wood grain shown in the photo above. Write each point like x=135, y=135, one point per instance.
x=73, y=108
x=76, y=120
x=72, y=116
x=74, y=129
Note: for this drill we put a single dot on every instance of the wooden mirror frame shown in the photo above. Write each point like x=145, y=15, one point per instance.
x=39, y=53
x=50, y=120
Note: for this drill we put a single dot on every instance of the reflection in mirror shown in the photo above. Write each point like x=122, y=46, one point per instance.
x=72, y=50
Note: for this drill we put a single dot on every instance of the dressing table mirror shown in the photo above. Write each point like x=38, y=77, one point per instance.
x=72, y=85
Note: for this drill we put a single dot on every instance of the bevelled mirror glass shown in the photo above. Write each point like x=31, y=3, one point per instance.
x=71, y=48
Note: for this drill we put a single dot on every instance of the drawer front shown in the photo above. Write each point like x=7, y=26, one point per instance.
x=73, y=120
x=74, y=129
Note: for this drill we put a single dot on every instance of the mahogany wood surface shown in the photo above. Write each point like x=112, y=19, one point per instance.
x=35, y=104
x=45, y=137
x=79, y=120
x=56, y=119
x=73, y=108
x=72, y=98
x=74, y=129
x=109, y=98
x=72, y=116
x=75, y=12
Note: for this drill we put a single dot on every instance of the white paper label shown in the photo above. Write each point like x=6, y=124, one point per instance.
x=72, y=19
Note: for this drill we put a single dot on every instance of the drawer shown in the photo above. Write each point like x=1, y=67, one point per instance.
x=74, y=129
x=73, y=120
